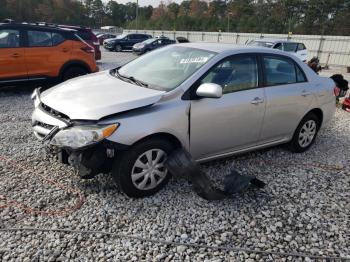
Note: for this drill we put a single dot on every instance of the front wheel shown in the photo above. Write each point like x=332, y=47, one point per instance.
x=73, y=72
x=305, y=134
x=140, y=171
x=118, y=48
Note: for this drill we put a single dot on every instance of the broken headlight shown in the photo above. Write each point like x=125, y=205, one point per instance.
x=82, y=136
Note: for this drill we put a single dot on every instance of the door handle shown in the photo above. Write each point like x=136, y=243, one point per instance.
x=257, y=100
x=15, y=55
x=305, y=93
x=65, y=50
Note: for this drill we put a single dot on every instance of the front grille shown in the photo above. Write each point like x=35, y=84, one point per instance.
x=54, y=113
x=46, y=126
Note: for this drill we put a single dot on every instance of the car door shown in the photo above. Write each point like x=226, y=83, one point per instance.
x=12, y=59
x=46, y=52
x=133, y=39
x=232, y=122
x=288, y=97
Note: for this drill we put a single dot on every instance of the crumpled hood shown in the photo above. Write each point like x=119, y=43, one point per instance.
x=94, y=96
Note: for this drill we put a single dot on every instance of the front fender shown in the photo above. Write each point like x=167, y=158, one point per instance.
x=169, y=117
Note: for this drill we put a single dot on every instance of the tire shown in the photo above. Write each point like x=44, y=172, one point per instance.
x=118, y=48
x=305, y=134
x=73, y=72
x=134, y=161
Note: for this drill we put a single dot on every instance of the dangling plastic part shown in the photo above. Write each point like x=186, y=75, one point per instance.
x=181, y=163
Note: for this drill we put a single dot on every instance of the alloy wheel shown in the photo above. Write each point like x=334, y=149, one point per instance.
x=307, y=133
x=149, y=170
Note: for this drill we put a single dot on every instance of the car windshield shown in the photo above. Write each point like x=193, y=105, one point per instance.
x=121, y=36
x=290, y=47
x=166, y=68
x=261, y=43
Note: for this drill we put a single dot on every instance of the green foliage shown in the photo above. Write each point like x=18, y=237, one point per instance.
x=265, y=16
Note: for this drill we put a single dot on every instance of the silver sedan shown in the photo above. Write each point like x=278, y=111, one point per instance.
x=214, y=100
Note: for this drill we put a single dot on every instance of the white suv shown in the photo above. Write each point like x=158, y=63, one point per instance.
x=298, y=49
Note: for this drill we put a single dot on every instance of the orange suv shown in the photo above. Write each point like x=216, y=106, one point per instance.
x=37, y=52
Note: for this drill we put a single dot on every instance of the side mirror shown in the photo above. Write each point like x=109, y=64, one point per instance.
x=209, y=90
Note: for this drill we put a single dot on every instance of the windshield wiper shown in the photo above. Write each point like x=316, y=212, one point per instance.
x=131, y=79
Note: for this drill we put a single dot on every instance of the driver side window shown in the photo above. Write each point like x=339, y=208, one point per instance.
x=234, y=74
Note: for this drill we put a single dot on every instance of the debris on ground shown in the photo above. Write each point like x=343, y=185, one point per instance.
x=181, y=163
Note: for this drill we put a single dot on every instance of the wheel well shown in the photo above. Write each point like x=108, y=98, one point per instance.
x=318, y=112
x=74, y=64
x=166, y=136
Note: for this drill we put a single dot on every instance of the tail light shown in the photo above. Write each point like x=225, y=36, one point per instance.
x=88, y=49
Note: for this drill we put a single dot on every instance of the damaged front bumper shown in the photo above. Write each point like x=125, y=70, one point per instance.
x=79, y=144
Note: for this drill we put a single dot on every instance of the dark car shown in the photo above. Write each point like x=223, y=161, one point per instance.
x=88, y=36
x=151, y=44
x=124, y=42
x=102, y=37
x=182, y=39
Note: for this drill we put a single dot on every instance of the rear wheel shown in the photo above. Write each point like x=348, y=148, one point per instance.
x=305, y=134
x=73, y=72
x=140, y=171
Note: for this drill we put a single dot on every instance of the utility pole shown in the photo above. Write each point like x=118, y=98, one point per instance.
x=137, y=14
x=228, y=21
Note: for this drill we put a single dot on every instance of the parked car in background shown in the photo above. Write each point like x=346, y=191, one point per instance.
x=88, y=36
x=151, y=44
x=124, y=42
x=31, y=52
x=102, y=37
x=296, y=48
x=212, y=99
x=181, y=39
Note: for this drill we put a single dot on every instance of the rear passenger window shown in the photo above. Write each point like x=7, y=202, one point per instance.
x=39, y=39
x=280, y=71
x=9, y=38
x=57, y=39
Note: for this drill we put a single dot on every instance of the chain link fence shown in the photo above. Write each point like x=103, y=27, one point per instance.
x=331, y=50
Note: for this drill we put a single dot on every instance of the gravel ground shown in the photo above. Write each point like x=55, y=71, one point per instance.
x=304, y=209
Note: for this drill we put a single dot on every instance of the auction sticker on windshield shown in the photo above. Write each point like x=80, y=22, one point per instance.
x=193, y=60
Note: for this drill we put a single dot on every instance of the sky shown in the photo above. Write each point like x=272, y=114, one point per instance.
x=155, y=3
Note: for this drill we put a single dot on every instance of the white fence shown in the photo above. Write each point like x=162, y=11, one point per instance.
x=332, y=50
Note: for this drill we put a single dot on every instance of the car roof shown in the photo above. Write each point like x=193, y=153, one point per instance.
x=225, y=47
x=135, y=34
x=221, y=47
x=36, y=26
x=274, y=40
x=76, y=27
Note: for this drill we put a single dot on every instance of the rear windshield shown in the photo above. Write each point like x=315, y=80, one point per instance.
x=87, y=36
